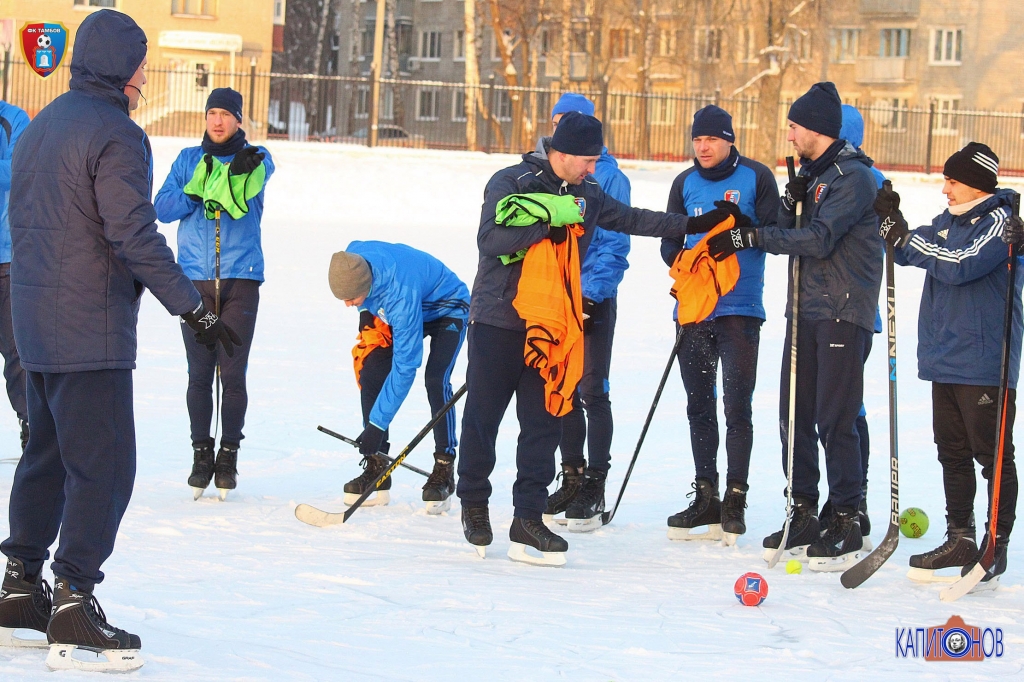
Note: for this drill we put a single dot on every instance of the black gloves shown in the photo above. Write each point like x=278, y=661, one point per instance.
x=700, y=224
x=1013, y=230
x=589, y=307
x=246, y=161
x=557, y=235
x=210, y=329
x=887, y=200
x=721, y=246
x=892, y=226
x=796, y=192
x=370, y=440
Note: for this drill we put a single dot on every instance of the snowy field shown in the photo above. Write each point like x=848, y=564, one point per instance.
x=240, y=590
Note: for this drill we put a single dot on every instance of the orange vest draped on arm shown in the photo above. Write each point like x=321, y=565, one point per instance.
x=370, y=338
x=700, y=280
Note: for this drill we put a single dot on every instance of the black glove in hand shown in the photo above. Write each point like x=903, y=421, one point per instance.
x=893, y=229
x=589, y=307
x=721, y=246
x=370, y=440
x=1013, y=230
x=210, y=329
x=796, y=192
x=246, y=161
x=723, y=209
x=886, y=201
x=557, y=235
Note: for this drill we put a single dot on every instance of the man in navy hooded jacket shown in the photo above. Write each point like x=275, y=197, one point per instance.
x=86, y=246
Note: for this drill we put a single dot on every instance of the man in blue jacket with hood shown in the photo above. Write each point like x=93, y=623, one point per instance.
x=960, y=342
x=85, y=246
x=191, y=195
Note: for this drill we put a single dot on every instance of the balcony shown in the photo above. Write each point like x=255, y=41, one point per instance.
x=883, y=70
x=579, y=65
x=891, y=8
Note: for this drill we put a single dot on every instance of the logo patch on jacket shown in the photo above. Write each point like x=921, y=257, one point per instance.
x=383, y=316
x=818, y=191
x=942, y=234
x=582, y=203
x=732, y=195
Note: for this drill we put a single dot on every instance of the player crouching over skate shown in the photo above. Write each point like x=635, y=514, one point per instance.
x=403, y=296
x=960, y=340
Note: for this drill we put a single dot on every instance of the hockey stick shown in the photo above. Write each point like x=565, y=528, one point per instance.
x=606, y=517
x=345, y=439
x=794, y=293
x=216, y=311
x=976, y=574
x=863, y=570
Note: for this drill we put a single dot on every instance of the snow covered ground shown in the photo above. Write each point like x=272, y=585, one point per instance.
x=241, y=590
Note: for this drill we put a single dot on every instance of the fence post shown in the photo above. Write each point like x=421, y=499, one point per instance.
x=252, y=92
x=604, y=99
x=489, y=113
x=7, y=70
x=931, y=127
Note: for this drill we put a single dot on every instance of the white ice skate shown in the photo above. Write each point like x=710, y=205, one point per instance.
x=799, y=553
x=73, y=657
x=556, y=519
x=712, y=531
x=436, y=508
x=517, y=551
x=9, y=637
x=829, y=564
x=927, y=576
x=381, y=498
x=584, y=525
x=545, y=548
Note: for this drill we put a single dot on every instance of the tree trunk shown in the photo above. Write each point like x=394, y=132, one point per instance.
x=472, y=78
x=391, y=70
x=766, y=142
x=510, y=73
x=314, y=100
x=566, y=38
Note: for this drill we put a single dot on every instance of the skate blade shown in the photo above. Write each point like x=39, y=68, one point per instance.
x=197, y=492
x=729, y=539
x=713, y=532
x=584, y=525
x=831, y=564
x=931, y=575
x=868, y=545
x=223, y=493
x=9, y=638
x=799, y=553
x=552, y=518
x=381, y=498
x=62, y=657
x=437, y=507
x=481, y=551
x=517, y=552
x=985, y=586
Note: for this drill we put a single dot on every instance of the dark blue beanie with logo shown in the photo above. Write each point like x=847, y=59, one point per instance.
x=712, y=121
x=226, y=99
x=819, y=109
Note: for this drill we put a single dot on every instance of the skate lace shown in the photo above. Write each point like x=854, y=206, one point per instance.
x=226, y=461
x=43, y=597
x=941, y=549
x=590, y=491
x=438, y=477
x=95, y=612
x=372, y=468
x=479, y=518
x=736, y=502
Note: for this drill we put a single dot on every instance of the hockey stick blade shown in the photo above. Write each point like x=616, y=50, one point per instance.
x=964, y=585
x=346, y=439
x=318, y=517
x=864, y=569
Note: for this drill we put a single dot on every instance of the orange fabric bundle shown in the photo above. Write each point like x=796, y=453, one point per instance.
x=377, y=336
x=700, y=280
x=550, y=300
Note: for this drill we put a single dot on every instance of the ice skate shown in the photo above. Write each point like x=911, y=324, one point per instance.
x=840, y=546
x=733, y=506
x=558, y=501
x=202, y=468
x=825, y=517
x=586, y=510
x=705, y=510
x=476, y=525
x=24, y=605
x=226, y=470
x=991, y=579
x=803, y=530
x=957, y=551
x=373, y=467
x=534, y=534
x=81, y=638
x=437, y=491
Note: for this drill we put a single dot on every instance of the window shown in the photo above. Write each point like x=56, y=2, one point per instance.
x=798, y=45
x=890, y=115
x=945, y=115
x=202, y=76
x=547, y=42
x=844, y=45
x=707, y=44
x=430, y=45
x=620, y=42
x=363, y=101
x=620, y=107
x=666, y=43
x=96, y=3
x=196, y=8
x=387, y=106
x=504, y=108
x=947, y=46
x=459, y=51
x=427, y=102
x=507, y=38
x=579, y=40
x=894, y=42
x=279, y=12
x=662, y=111
x=744, y=114
x=746, y=46
x=366, y=42
x=458, y=105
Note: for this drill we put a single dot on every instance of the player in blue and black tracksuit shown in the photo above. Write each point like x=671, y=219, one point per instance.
x=13, y=121
x=416, y=296
x=241, y=274
x=731, y=333
x=960, y=342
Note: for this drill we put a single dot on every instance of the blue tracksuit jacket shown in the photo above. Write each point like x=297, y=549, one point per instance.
x=13, y=121
x=605, y=262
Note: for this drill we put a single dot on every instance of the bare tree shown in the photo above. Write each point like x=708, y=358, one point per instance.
x=472, y=77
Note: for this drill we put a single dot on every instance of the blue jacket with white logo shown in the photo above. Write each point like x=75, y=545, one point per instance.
x=12, y=122
x=409, y=289
x=605, y=262
x=241, y=250
x=960, y=325
x=752, y=186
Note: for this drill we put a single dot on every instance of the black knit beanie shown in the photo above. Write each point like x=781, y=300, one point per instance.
x=819, y=109
x=975, y=165
x=579, y=135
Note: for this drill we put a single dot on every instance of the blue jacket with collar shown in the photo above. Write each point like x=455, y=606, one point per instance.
x=605, y=262
x=13, y=121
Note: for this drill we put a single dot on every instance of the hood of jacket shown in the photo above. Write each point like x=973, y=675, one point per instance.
x=853, y=126
x=109, y=47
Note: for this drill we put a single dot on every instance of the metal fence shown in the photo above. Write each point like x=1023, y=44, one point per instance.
x=433, y=114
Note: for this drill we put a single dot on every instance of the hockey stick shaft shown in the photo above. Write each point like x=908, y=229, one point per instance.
x=405, y=451
x=345, y=439
x=216, y=311
x=607, y=516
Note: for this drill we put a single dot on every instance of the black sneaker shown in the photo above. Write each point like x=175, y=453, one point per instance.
x=558, y=501
x=733, y=514
x=803, y=530
x=531, y=533
x=705, y=510
x=24, y=603
x=440, y=485
x=202, y=467
x=840, y=545
x=78, y=620
x=586, y=509
x=476, y=525
x=373, y=467
x=226, y=469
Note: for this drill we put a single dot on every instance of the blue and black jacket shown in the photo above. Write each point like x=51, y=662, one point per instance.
x=13, y=121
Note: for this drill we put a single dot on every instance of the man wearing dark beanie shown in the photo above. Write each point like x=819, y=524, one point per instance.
x=497, y=334
x=959, y=345
x=840, y=275
x=215, y=192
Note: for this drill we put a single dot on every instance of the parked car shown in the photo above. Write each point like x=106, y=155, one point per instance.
x=387, y=136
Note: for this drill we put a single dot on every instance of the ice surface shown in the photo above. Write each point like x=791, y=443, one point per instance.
x=240, y=590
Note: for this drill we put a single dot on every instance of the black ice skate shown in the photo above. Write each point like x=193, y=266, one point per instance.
x=733, y=514
x=476, y=525
x=529, y=533
x=705, y=510
x=825, y=518
x=840, y=546
x=558, y=501
x=437, y=491
x=803, y=530
x=78, y=623
x=24, y=605
x=373, y=467
x=226, y=470
x=991, y=579
x=957, y=551
x=586, y=509
x=202, y=468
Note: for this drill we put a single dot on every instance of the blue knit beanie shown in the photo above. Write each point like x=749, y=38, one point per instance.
x=713, y=121
x=578, y=134
x=820, y=110
x=572, y=101
x=226, y=99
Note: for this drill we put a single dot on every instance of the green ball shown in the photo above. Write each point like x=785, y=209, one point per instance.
x=794, y=566
x=913, y=522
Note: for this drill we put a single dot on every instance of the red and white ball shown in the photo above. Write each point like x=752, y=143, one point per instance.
x=751, y=589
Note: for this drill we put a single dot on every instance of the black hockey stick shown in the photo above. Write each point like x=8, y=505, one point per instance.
x=216, y=311
x=794, y=295
x=345, y=439
x=861, y=571
x=976, y=574
x=606, y=517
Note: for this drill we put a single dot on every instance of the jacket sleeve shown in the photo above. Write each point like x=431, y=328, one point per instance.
x=19, y=121
x=618, y=217
x=608, y=264
x=671, y=246
x=122, y=183
x=834, y=218
x=766, y=205
x=496, y=240
x=406, y=321
x=960, y=266
x=171, y=203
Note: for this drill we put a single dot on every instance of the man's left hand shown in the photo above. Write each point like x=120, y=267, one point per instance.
x=370, y=440
x=246, y=161
x=1013, y=230
x=723, y=245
